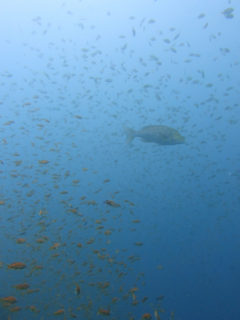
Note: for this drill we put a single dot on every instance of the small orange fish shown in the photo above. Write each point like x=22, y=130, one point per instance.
x=9, y=300
x=77, y=290
x=58, y=312
x=22, y=286
x=147, y=316
x=112, y=203
x=43, y=161
x=15, y=309
x=16, y=265
x=55, y=246
x=33, y=309
x=20, y=240
x=104, y=312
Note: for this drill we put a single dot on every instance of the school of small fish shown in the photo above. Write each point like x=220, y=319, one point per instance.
x=74, y=240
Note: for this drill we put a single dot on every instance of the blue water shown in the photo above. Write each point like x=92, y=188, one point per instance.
x=73, y=75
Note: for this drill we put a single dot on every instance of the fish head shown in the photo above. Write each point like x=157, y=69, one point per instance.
x=178, y=138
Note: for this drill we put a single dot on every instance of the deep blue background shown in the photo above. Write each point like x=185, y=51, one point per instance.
x=73, y=74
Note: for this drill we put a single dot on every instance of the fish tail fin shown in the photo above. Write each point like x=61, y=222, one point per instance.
x=130, y=135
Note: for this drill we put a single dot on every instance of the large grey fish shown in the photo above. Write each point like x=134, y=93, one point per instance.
x=161, y=135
